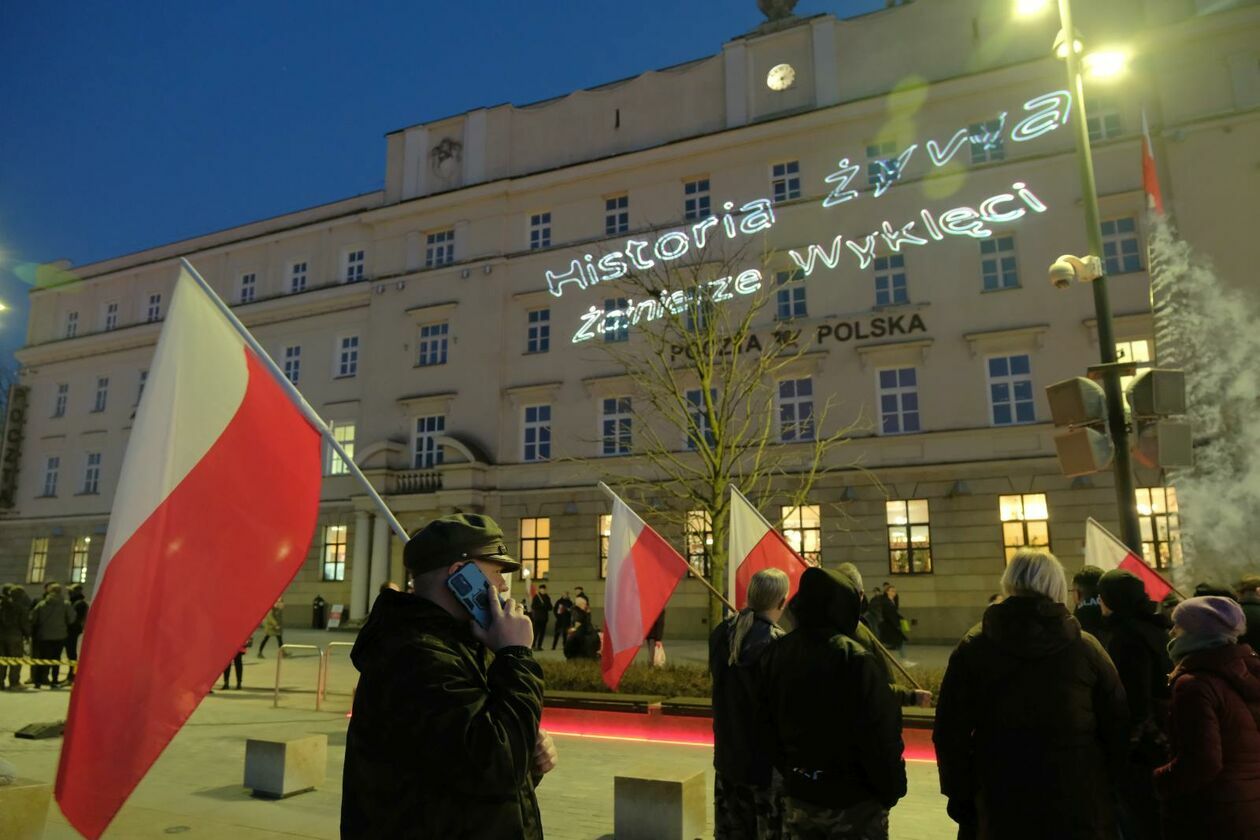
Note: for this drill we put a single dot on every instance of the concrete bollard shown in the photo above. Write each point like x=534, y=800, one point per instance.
x=280, y=768
x=24, y=809
x=658, y=805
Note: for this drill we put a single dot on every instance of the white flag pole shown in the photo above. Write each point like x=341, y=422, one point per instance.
x=296, y=396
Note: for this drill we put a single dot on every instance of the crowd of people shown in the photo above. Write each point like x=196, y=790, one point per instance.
x=43, y=629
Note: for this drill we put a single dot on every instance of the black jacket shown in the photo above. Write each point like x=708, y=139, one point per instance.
x=887, y=615
x=583, y=642
x=439, y=745
x=833, y=727
x=1030, y=727
x=1138, y=645
x=1251, y=608
x=737, y=753
x=540, y=608
x=1089, y=615
x=15, y=619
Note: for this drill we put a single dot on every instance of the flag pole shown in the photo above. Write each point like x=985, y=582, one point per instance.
x=296, y=396
x=1128, y=550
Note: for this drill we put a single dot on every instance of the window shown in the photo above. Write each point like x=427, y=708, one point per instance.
x=898, y=401
x=699, y=539
x=343, y=433
x=621, y=329
x=699, y=425
x=1104, y=119
x=997, y=263
x=354, y=269
x=432, y=344
x=1025, y=522
x=537, y=433
x=699, y=313
x=348, y=355
x=536, y=546
x=890, y=280
x=52, y=465
x=111, y=316
x=796, y=409
x=297, y=277
x=1120, y=246
x=439, y=248
x=1137, y=351
x=615, y=426
x=696, y=199
x=1161, y=526
x=144, y=378
x=1010, y=390
x=617, y=215
x=909, y=538
x=63, y=397
x=802, y=528
x=248, y=288
x=880, y=163
x=785, y=180
x=79, y=559
x=92, y=473
x=72, y=324
x=426, y=452
x=154, y=310
x=293, y=363
x=539, y=231
x=538, y=339
x=986, y=141
x=334, y=566
x=38, y=562
x=790, y=297
x=604, y=535
x=102, y=394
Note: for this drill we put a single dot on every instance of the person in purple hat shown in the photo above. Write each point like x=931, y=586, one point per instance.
x=1211, y=787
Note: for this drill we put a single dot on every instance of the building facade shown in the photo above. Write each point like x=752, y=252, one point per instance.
x=911, y=174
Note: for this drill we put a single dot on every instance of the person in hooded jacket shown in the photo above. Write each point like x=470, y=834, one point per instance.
x=1088, y=610
x=441, y=745
x=1137, y=642
x=1211, y=787
x=744, y=805
x=1031, y=719
x=831, y=723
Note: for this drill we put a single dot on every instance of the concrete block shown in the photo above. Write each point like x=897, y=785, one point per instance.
x=658, y=805
x=24, y=809
x=279, y=768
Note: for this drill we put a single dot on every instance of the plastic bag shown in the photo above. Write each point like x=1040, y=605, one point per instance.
x=658, y=655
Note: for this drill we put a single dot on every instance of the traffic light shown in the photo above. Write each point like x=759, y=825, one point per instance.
x=1080, y=404
x=1158, y=441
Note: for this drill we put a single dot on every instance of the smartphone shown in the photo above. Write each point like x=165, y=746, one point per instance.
x=470, y=586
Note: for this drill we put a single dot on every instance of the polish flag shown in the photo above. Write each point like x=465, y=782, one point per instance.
x=643, y=571
x=1150, y=176
x=755, y=545
x=1104, y=550
x=214, y=511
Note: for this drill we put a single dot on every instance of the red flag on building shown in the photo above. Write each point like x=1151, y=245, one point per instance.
x=1104, y=550
x=754, y=545
x=214, y=511
x=1150, y=176
x=643, y=571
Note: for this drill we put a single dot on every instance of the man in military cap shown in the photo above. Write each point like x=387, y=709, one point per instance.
x=440, y=745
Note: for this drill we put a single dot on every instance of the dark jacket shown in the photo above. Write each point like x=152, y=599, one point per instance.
x=583, y=641
x=540, y=609
x=51, y=618
x=832, y=726
x=1030, y=727
x=15, y=619
x=1138, y=645
x=737, y=753
x=887, y=618
x=563, y=611
x=905, y=696
x=1089, y=615
x=1211, y=788
x=439, y=745
x=1251, y=608
x=80, y=606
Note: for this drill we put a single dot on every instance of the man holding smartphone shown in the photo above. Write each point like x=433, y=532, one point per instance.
x=440, y=745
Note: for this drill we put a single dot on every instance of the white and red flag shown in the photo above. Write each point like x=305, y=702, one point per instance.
x=1104, y=550
x=755, y=545
x=1150, y=175
x=643, y=570
x=214, y=511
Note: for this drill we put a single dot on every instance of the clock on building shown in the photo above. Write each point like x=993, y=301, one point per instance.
x=780, y=77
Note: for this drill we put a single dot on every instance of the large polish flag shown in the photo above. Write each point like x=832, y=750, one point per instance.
x=213, y=515
x=753, y=546
x=643, y=571
x=1150, y=175
x=1104, y=550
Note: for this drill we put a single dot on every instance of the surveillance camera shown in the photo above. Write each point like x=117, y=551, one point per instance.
x=1062, y=273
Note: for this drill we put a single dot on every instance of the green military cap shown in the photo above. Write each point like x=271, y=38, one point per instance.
x=460, y=536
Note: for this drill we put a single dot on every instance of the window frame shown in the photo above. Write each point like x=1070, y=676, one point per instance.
x=539, y=230
x=802, y=530
x=52, y=474
x=699, y=418
x=540, y=544
x=72, y=324
x=61, y=399
x=80, y=551
x=889, y=269
x=439, y=247
x=541, y=427
x=333, y=465
x=899, y=392
x=908, y=509
x=1009, y=549
x=109, y=313
x=340, y=552
x=91, y=474
x=616, y=214
x=538, y=330
x=36, y=572
x=1127, y=263
x=153, y=310
x=786, y=298
x=995, y=258
x=785, y=185
x=346, y=359
x=1010, y=380
x=697, y=198
x=804, y=428
x=291, y=362
x=247, y=287
x=100, y=400
x=354, y=265
x=432, y=343
x=299, y=276
x=603, y=537
x=978, y=153
x=1149, y=515
x=620, y=440
x=431, y=456
x=698, y=539
x=620, y=333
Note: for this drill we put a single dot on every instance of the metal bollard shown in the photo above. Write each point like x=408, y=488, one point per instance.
x=324, y=667
x=275, y=700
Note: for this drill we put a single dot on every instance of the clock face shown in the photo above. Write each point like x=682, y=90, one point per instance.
x=780, y=77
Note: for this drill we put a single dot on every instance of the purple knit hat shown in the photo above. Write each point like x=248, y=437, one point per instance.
x=1211, y=615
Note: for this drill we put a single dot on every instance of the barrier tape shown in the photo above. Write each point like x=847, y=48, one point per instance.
x=26, y=660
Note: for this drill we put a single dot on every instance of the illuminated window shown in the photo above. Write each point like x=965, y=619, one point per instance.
x=334, y=555
x=802, y=528
x=1161, y=526
x=615, y=426
x=785, y=180
x=796, y=409
x=63, y=397
x=144, y=378
x=348, y=355
x=616, y=214
x=997, y=263
x=297, y=277
x=1104, y=118
x=699, y=427
x=248, y=289
x=52, y=466
x=79, y=559
x=604, y=535
x=699, y=539
x=537, y=433
x=790, y=296
x=1137, y=351
x=111, y=316
x=536, y=546
x=880, y=157
x=439, y=248
x=1025, y=522
x=1120, y=246
x=539, y=231
x=102, y=394
x=426, y=452
x=38, y=562
x=354, y=266
x=890, y=280
x=909, y=537
x=616, y=320
x=432, y=344
x=343, y=433
x=898, y=401
x=1010, y=390
x=72, y=324
x=696, y=199
x=154, y=310
x=293, y=363
x=986, y=141
x=538, y=339
x=92, y=473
